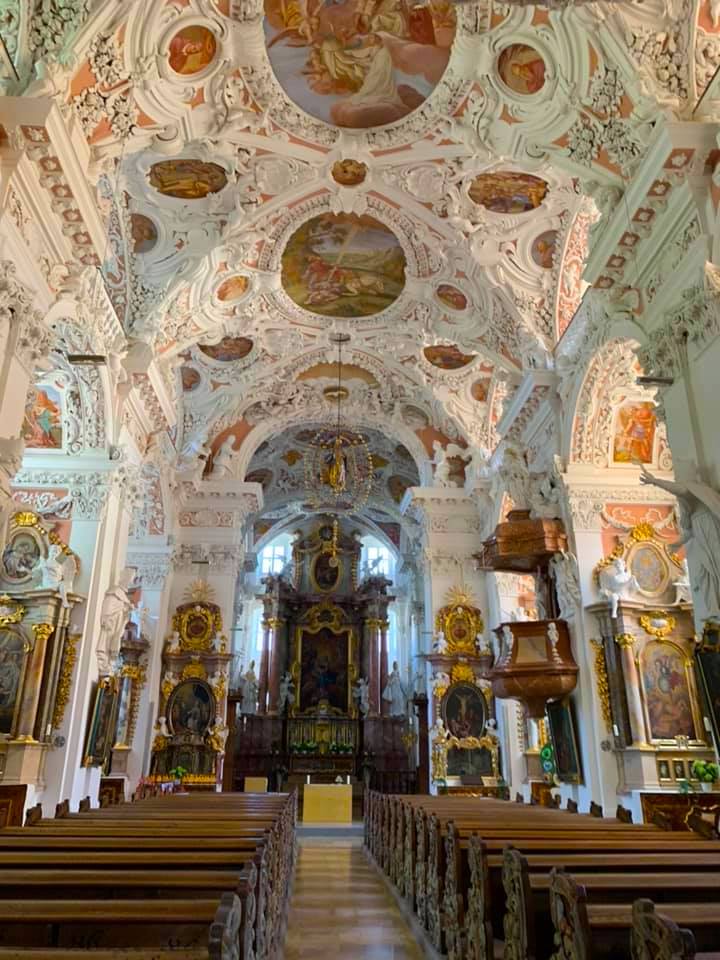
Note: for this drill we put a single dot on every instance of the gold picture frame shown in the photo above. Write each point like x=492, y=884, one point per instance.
x=325, y=616
x=15, y=647
x=650, y=647
x=316, y=584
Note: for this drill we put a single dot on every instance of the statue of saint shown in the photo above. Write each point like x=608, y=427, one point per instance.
x=287, y=692
x=700, y=521
x=248, y=703
x=223, y=458
x=361, y=693
x=394, y=693
x=113, y=617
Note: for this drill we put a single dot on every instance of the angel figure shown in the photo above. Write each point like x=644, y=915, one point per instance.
x=173, y=644
x=287, y=692
x=361, y=693
x=615, y=582
x=57, y=572
x=217, y=735
x=440, y=681
x=440, y=643
x=161, y=726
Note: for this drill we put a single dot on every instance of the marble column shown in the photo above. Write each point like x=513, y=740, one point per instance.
x=384, y=668
x=264, y=670
x=372, y=646
x=276, y=664
x=626, y=643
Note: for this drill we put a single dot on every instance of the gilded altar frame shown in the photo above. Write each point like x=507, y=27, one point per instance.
x=690, y=681
x=325, y=616
x=13, y=629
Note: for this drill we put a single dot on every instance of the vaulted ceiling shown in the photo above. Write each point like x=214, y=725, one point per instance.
x=416, y=176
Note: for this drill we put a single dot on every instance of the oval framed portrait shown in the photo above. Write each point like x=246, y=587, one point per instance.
x=325, y=576
x=191, y=708
x=464, y=711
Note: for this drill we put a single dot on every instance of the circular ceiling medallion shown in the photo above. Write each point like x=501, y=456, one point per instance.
x=190, y=378
x=228, y=349
x=349, y=173
x=447, y=357
x=505, y=191
x=233, y=288
x=359, y=65
x=192, y=49
x=144, y=233
x=187, y=179
x=543, y=249
x=521, y=68
x=343, y=265
x=451, y=297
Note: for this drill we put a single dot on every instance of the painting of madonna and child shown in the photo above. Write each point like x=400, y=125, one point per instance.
x=358, y=63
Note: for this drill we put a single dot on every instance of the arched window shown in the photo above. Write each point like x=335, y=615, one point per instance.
x=377, y=558
x=275, y=555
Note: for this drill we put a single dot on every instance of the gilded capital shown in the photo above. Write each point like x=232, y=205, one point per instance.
x=42, y=631
x=625, y=640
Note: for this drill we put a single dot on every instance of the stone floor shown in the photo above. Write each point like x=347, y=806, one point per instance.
x=341, y=908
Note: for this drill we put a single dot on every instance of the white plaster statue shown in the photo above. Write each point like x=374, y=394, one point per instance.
x=554, y=638
x=506, y=644
x=287, y=691
x=482, y=645
x=218, y=644
x=440, y=680
x=515, y=476
x=440, y=643
x=563, y=569
x=249, y=690
x=173, y=644
x=394, y=693
x=700, y=521
x=615, y=583
x=361, y=693
x=479, y=467
x=217, y=678
x=223, y=459
x=113, y=617
x=519, y=615
x=161, y=726
x=419, y=682
x=442, y=462
x=57, y=572
x=683, y=590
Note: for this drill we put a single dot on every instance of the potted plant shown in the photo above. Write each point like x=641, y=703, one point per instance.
x=177, y=773
x=706, y=772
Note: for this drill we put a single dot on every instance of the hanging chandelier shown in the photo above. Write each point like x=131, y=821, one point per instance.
x=338, y=463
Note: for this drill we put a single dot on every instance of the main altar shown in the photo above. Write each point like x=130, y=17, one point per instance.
x=320, y=711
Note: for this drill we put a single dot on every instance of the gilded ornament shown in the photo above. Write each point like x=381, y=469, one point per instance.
x=10, y=611
x=42, y=631
x=658, y=624
x=462, y=671
x=642, y=532
x=603, y=687
x=625, y=640
x=159, y=743
x=25, y=518
x=194, y=671
x=62, y=694
x=199, y=591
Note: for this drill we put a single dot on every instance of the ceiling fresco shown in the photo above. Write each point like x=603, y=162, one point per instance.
x=424, y=179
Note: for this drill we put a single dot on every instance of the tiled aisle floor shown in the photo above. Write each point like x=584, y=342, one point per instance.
x=340, y=908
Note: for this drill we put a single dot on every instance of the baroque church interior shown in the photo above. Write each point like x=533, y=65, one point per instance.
x=360, y=479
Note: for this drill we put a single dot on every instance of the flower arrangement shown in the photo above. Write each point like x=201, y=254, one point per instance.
x=304, y=746
x=340, y=748
x=705, y=771
x=177, y=773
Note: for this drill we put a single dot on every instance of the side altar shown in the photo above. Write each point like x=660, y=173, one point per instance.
x=323, y=707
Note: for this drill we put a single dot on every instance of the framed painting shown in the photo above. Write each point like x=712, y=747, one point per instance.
x=325, y=576
x=464, y=710
x=663, y=770
x=24, y=551
x=101, y=730
x=191, y=708
x=324, y=655
x=561, y=725
x=707, y=665
x=13, y=650
x=666, y=692
x=42, y=426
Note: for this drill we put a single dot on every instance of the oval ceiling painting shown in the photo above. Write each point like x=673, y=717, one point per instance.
x=506, y=191
x=447, y=357
x=187, y=179
x=228, y=349
x=232, y=289
x=192, y=49
x=543, y=249
x=343, y=265
x=354, y=64
x=144, y=233
x=521, y=68
x=451, y=297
